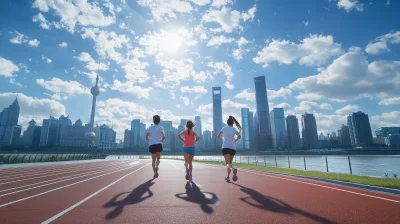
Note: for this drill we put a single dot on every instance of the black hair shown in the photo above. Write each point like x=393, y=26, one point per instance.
x=232, y=120
x=189, y=126
x=156, y=119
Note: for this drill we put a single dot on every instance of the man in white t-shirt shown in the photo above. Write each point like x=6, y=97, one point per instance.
x=155, y=136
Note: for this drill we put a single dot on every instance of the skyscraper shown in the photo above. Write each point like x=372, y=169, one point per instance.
x=293, y=133
x=142, y=135
x=49, y=132
x=384, y=132
x=28, y=134
x=63, y=122
x=207, y=139
x=309, y=131
x=246, y=133
x=252, y=130
x=135, y=132
x=8, y=118
x=127, y=138
x=90, y=136
x=199, y=130
x=107, y=138
x=264, y=123
x=15, y=136
x=73, y=135
x=168, y=143
x=278, y=128
x=359, y=129
x=344, y=136
x=217, y=115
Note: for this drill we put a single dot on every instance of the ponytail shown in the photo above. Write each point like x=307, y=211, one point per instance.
x=189, y=126
x=232, y=120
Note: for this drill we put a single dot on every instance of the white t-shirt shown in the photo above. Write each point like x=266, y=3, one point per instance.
x=155, y=134
x=228, y=134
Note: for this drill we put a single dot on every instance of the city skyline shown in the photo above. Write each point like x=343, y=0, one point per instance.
x=152, y=63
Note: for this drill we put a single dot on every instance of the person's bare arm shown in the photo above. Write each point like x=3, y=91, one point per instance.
x=162, y=136
x=197, y=137
x=219, y=135
x=147, y=136
x=180, y=136
x=238, y=136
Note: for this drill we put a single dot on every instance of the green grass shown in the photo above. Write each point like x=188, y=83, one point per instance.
x=372, y=181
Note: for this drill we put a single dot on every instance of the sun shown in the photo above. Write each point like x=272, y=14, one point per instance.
x=171, y=42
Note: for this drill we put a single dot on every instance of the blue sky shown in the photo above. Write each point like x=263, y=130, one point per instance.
x=329, y=57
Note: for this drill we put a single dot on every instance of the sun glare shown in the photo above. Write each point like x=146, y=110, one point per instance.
x=171, y=42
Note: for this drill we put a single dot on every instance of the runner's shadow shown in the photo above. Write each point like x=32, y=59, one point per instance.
x=275, y=205
x=134, y=197
x=194, y=195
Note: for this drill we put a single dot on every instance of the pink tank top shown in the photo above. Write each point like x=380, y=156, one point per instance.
x=189, y=139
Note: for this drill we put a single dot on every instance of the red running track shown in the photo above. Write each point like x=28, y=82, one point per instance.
x=123, y=191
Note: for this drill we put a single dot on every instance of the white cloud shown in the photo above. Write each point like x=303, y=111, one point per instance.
x=91, y=63
x=33, y=43
x=349, y=5
x=390, y=101
x=283, y=105
x=195, y=89
x=7, y=67
x=222, y=67
x=201, y=2
x=220, y=3
x=39, y=18
x=250, y=14
x=380, y=44
x=129, y=87
x=351, y=77
x=74, y=13
x=24, y=66
x=229, y=85
x=12, y=81
x=227, y=18
x=67, y=88
x=245, y=94
x=20, y=38
x=238, y=52
x=63, y=45
x=123, y=26
x=282, y=92
x=205, y=109
x=32, y=107
x=312, y=50
x=347, y=109
x=161, y=10
x=386, y=119
x=305, y=23
x=308, y=106
x=46, y=59
x=217, y=41
x=185, y=100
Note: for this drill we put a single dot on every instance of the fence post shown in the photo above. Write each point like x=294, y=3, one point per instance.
x=288, y=159
x=351, y=171
x=276, y=164
x=305, y=166
x=326, y=161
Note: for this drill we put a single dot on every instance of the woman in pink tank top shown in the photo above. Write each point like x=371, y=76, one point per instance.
x=190, y=137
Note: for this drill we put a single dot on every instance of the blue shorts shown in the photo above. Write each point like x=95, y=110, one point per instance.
x=190, y=150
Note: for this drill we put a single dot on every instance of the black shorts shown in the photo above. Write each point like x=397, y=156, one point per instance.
x=228, y=151
x=155, y=148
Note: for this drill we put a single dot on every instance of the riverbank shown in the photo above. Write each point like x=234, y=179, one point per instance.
x=389, y=182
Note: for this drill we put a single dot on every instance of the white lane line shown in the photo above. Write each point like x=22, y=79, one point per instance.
x=55, y=189
x=318, y=185
x=65, y=177
x=47, y=176
x=172, y=164
x=89, y=197
x=53, y=171
x=82, y=175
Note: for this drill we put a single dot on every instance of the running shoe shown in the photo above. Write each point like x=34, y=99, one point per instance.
x=235, y=177
x=227, y=179
x=191, y=177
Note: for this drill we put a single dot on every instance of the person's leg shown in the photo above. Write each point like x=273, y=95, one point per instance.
x=234, y=170
x=158, y=156
x=153, y=162
x=227, y=161
x=186, y=157
x=191, y=156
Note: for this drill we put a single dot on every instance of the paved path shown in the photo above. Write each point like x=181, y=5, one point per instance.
x=123, y=191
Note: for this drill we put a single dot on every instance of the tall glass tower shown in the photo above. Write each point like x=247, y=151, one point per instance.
x=278, y=128
x=217, y=115
x=264, y=123
x=309, y=131
x=247, y=120
x=359, y=129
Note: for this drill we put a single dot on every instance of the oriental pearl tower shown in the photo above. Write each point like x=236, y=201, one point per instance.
x=90, y=135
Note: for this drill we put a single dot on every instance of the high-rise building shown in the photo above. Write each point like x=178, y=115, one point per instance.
x=293, y=133
x=255, y=131
x=217, y=115
x=63, y=122
x=207, y=139
x=251, y=130
x=168, y=142
x=199, y=130
x=278, y=128
x=90, y=135
x=73, y=135
x=142, y=135
x=107, y=138
x=246, y=124
x=344, y=136
x=135, y=132
x=384, y=132
x=49, y=132
x=127, y=138
x=309, y=131
x=8, y=118
x=264, y=124
x=28, y=134
x=15, y=136
x=360, y=129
